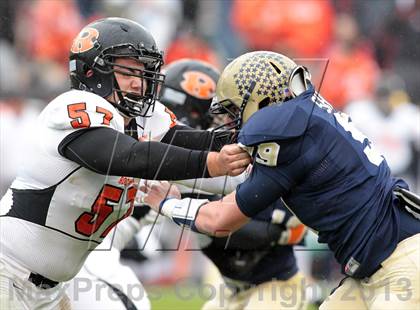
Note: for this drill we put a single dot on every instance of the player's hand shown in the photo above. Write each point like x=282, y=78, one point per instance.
x=231, y=160
x=155, y=192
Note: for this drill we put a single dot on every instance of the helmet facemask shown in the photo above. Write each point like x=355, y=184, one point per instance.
x=132, y=104
x=231, y=110
x=234, y=113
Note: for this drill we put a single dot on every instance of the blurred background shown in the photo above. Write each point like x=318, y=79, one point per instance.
x=364, y=57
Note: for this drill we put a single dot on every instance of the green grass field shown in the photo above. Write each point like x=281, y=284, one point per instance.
x=172, y=297
x=181, y=298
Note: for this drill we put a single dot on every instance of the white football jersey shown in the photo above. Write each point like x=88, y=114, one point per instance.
x=156, y=126
x=56, y=212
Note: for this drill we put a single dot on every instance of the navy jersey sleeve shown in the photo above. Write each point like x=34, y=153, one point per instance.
x=266, y=183
x=284, y=152
x=259, y=191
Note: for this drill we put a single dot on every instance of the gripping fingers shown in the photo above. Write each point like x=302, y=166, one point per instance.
x=242, y=163
x=240, y=156
x=238, y=167
x=238, y=160
x=237, y=171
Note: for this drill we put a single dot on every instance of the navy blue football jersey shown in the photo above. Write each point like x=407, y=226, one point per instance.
x=329, y=175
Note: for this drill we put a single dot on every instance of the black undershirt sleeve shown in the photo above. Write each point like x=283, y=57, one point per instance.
x=107, y=151
x=190, y=138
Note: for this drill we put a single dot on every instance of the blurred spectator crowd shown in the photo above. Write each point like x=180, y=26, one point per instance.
x=364, y=57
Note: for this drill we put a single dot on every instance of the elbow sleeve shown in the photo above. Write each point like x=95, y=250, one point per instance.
x=107, y=151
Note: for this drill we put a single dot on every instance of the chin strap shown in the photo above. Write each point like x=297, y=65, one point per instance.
x=117, y=90
x=122, y=102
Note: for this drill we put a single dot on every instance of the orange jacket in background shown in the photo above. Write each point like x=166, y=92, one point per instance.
x=190, y=46
x=54, y=24
x=350, y=75
x=303, y=28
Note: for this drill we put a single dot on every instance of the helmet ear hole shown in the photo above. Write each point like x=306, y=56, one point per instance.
x=275, y=67
x=263, y=103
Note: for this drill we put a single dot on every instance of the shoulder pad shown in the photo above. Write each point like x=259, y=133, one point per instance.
x=77, y=109
x=159, y=123
x=278, y=122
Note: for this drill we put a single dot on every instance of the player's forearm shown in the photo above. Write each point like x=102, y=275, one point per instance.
x=207, y=221
x=212, y=219
x=217, y=218
x=107, y=151
x=198, y=215
x=191, y=138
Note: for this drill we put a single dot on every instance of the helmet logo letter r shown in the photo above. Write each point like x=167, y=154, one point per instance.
x=85, y=40
x=198, y=84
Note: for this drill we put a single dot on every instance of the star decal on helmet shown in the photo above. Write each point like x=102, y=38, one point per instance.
x=258, y=68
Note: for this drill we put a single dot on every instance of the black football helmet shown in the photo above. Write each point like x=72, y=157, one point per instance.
x=189, y=89
x=92, y=63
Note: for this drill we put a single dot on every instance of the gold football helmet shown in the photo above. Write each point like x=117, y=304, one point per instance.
x=255, y=80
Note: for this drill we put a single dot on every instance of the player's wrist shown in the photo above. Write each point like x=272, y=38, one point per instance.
x=165, y=210
x=182, y=212
x=213, y=166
